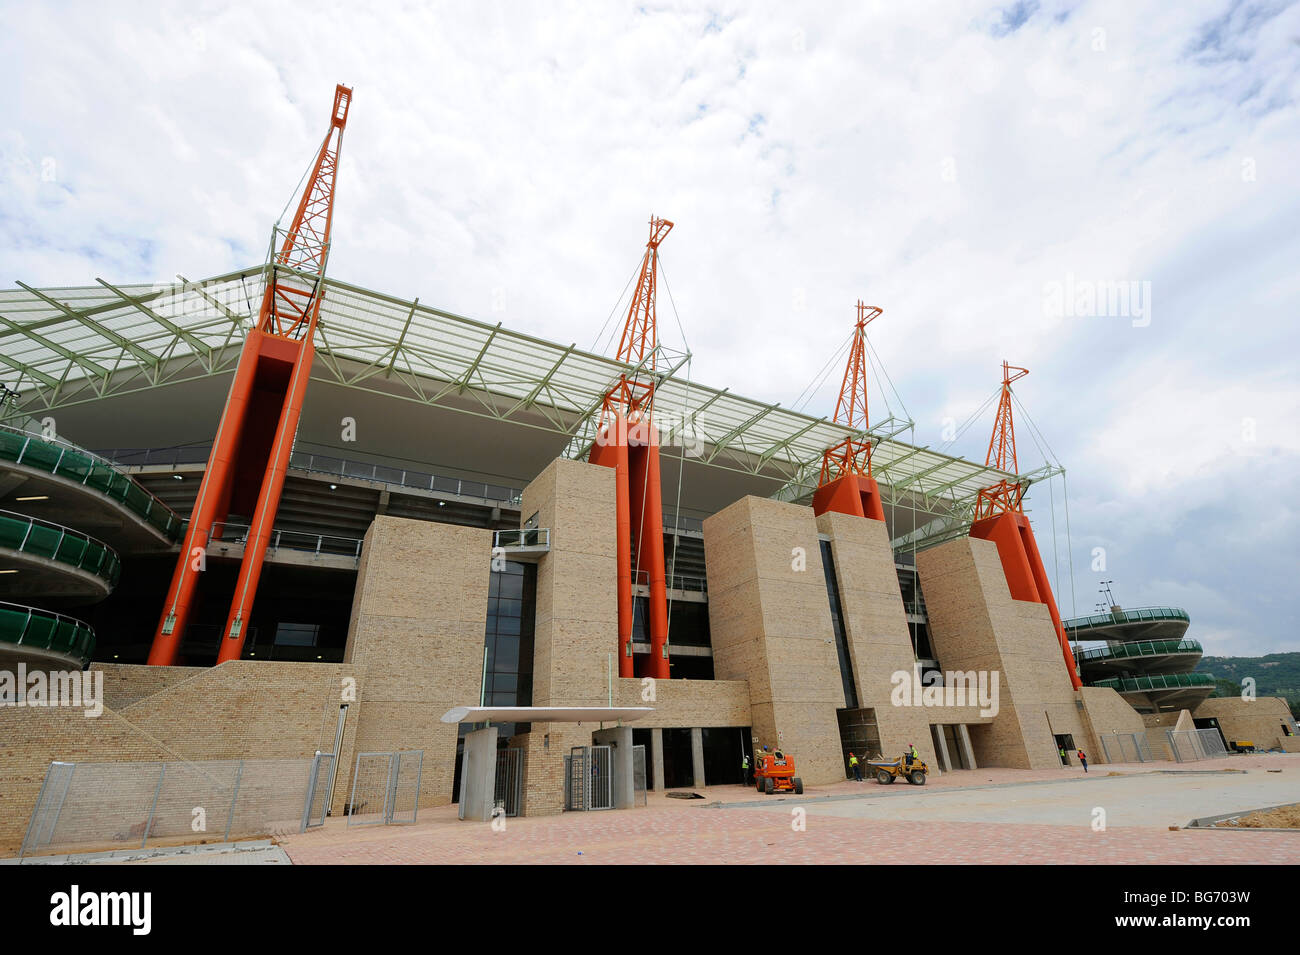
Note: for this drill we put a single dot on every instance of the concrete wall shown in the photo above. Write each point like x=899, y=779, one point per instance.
x=771, y=627
x=976, y=625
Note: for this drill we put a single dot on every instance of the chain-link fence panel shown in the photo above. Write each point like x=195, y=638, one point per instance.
x=89, y=807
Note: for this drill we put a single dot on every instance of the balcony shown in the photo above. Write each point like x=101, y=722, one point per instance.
x=40, y=559
x=86, y=490
x=43, y=639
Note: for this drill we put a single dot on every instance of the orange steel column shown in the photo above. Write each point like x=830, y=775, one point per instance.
x=628, y=443
x=271, y=379
x=1000, y=518
x=611, y=452
x=214, y=489
x=648, y=529
x=268, y=502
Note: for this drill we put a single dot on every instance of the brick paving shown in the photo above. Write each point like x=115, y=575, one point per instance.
x=670, y=831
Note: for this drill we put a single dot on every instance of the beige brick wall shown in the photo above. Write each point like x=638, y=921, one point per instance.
x=1105, y=712
x=241, y=709
x=771, y=627
x=416, y=638
x=576, y=627
x=976, y=625
x=1259, y=720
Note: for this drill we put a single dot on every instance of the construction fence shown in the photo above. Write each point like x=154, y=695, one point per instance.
x=1191, y=745
x=88, y=807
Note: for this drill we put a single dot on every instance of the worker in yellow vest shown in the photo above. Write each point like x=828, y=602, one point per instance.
x=853, y=765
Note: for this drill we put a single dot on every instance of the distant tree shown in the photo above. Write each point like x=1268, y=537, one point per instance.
x=1225, y=688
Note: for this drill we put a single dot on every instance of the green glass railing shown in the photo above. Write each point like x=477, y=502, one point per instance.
x=41, y=629
x=30, y=535
x=1172, y=681
x=1136, y=615
x=68, y=461
x=1140, y=648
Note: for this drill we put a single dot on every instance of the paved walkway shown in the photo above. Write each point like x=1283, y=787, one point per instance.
x=868, y=823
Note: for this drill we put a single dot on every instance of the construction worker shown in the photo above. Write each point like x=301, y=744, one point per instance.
x=911, y=754
x=853, y=765
x=1083, y=758
x=744, y=769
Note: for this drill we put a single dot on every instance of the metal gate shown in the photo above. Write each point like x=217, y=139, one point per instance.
x=49, y=804
x=1190, y=745
x=589, y=778
x=1126, y=747
x=385, y=788
x=638, y=775
x=316, y=806
x=509, y=781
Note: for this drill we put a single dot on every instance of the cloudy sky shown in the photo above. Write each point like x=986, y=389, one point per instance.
x=977, y=171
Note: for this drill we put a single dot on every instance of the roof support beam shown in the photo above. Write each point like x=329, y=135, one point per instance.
x=142, y=355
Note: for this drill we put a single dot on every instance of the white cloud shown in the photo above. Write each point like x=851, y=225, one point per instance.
x=944, y=165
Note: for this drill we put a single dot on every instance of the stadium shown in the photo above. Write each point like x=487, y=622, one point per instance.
x=279, y=532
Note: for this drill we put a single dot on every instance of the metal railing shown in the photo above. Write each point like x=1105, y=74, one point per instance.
x=290, y=540
x=1141, y=648
x=523, y=537
x=45, y=630
x=1136, y=615
x=61, y=459
x=1171, y=681
x=330, y=464
x=686, y=582
x=31, y=535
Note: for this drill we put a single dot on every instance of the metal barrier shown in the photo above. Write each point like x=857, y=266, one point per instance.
x=85, y=807
x=1191, y=745
x=31, y=627
x=1126, y=747
x=317, y=805
x=289, y=540
x=386, y=788
x=509, y=795
x=31, y=535
x=589, y=778
x=639, y=775
x=65, y=460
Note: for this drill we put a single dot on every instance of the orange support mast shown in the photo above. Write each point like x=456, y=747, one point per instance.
x=246, y=467
x=628, y=442
x=846, y=485
x=1000, y=517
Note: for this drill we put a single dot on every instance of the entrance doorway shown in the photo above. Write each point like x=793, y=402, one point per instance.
x=1064, y=747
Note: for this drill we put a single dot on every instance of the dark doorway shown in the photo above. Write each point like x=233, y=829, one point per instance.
x=724, y=750
x=679, y=773
x=644, y=738
x=1064, y=747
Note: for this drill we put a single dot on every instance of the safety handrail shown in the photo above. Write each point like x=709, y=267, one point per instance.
x=30, y=627
x=62, y=459
x=22, y=533
x=1141, y=648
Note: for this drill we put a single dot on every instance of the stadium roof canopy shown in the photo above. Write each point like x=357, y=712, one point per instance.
x=67, y=346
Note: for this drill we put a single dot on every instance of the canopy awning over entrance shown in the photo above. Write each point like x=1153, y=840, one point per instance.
x=545, y=714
